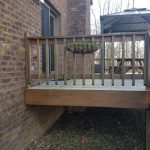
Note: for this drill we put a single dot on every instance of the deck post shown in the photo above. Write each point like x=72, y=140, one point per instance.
x=147, y=60
x=38, y=59
x=148, y=129
x=27, y=61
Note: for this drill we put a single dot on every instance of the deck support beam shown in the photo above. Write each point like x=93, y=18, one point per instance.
x=148, y=129
x=91, y=98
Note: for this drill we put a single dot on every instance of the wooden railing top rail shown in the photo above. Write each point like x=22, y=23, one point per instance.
x=88, y=36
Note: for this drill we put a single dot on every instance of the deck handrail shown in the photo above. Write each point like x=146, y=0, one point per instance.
x=102, y=39
x=87, y=36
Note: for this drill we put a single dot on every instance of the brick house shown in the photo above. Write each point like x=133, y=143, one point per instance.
x=20, y=124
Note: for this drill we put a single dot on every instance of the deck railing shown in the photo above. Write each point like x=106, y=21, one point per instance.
x=115, y=62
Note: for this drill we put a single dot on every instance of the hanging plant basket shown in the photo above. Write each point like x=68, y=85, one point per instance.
x=82, y=47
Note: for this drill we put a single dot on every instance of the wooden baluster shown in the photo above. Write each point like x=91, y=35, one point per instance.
x=65, y=63
x=147, y=60
x=56, y=61
x=112, y=59
x=133, y=60
x=93, y=65
x=47, y=61
x=38, y=59
x=74, y=66
x=123, y=59
x=28, y=61
x=103, y=60
x=83, y=66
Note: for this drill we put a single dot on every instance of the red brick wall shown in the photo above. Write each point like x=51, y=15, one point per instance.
x=79, y=17
x=20, y=124
x=79, y=24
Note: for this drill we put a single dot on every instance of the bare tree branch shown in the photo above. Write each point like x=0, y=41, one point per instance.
x=95, y=22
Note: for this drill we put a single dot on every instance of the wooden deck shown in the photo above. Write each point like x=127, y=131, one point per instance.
x=121, y=89
x=117, y=96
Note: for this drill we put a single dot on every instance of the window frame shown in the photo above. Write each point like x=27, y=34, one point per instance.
x=52, y=14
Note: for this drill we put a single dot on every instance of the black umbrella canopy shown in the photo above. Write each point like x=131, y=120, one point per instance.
x=131, y=20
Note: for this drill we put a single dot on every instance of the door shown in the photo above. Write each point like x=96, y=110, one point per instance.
x=48, y=29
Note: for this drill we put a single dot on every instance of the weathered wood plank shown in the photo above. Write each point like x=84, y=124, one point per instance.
x=27, y=57
x=38, y=60
x=145, y=59
x=103, y=60
x=123, y=59
x=56, y=60
x=112, y=60
x=83, y=66
x=88, y=76
x=133, y=60
x=29, y=63
x=74, y=66
x=93, y=66
x=47, y=61
x=107, y=39
x=91, y=98
x=65, y=63
x=129, y=34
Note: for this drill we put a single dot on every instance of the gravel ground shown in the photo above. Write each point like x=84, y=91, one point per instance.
x=95, y=129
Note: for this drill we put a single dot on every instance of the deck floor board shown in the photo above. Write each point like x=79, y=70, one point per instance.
x=139, y=85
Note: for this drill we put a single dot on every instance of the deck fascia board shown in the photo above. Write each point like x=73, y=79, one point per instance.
x=88, y=98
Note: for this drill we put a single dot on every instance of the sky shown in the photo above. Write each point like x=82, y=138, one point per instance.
x=96, y=9
x=137, y=3
x=142, y=3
